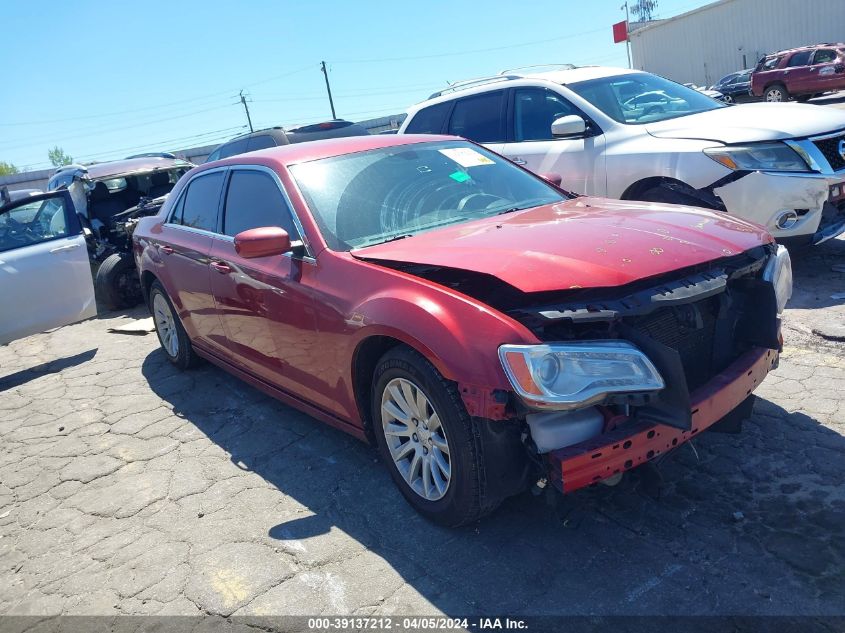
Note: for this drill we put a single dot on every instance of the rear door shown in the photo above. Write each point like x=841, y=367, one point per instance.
x=823, y=71
x=45, y=276
x=798, y=76
x=481, y=118
x=580, y=162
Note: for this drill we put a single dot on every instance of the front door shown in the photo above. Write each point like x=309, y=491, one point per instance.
x=265, y=303
x=580, y=162
x=45, y=276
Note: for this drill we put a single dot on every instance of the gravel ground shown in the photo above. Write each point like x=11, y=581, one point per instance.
x=128, y=487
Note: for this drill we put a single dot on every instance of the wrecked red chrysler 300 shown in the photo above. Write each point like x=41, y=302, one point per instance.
x=484, y=328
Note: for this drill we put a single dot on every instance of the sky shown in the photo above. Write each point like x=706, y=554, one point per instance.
x=103, y=80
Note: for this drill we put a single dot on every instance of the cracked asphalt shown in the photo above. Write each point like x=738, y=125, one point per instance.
x=129, y=487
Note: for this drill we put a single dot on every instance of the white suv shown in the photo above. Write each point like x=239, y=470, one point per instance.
x=633, y=135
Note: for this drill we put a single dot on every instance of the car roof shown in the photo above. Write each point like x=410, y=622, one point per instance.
x=327, y=148
x=810, y=47
x=126, y=166
x=562, y=77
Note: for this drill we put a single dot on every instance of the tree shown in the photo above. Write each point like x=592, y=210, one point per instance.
x=58, y=157
x=7, y=168
x=644, y=9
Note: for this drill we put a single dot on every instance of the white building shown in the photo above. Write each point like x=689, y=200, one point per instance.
x=707, y=43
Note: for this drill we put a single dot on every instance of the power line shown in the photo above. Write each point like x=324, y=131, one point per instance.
x=467, y=52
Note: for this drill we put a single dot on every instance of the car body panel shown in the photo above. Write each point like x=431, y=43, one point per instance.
x=589, y=242
x=751, y=123
x=297, y=325
x=45, y=284
x=623, y=161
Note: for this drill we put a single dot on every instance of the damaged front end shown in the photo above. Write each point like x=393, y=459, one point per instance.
x=627, y=373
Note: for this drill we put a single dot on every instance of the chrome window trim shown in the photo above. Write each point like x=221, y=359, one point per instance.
x=184, y=192
x=296, y=221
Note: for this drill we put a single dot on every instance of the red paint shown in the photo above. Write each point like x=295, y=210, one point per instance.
x=293, y=326
x=620, y=32
x=586, y=242
x=619, y=450
x=264, y=241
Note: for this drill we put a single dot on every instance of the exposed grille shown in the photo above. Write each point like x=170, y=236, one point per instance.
x=689, y=330
x=830, y=148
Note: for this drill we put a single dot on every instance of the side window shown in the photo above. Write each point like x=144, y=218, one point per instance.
x=260, y=142
x=824, y=56
x=801, y=58
x=215, y=155
x=769, y=64
x=32, y=223
x=235, y=147
x=199, y=209
x=254, y=200
x=479, y=118
x=429, y=120
x=535, y=109
x=176, y=212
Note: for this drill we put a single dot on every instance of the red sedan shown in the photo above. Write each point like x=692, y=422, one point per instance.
x=487, y=330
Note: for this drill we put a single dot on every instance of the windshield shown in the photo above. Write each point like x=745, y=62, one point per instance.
x=372, y=197
x=642, y=98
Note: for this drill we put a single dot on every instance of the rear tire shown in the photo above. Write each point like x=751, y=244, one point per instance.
x=433, y=428
x=171, y=334
x=118, y=285
x=776, y=94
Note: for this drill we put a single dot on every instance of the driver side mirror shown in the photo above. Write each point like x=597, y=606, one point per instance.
x=569, y=126
x=262, y=242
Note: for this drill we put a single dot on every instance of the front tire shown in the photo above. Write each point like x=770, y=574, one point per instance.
x=171, y=334
x=426, y=438
x=776, y=94
x=118, y=286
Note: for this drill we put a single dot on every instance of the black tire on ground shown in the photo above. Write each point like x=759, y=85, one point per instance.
x=117, y=282
x=804, y=98
x=185, y=357
x=464, y=500
x=776, y=93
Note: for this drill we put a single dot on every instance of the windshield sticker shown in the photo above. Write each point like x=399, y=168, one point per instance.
x=460, y=176
x=466, y=156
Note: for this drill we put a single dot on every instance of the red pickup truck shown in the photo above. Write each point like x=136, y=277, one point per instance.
x=800, y=72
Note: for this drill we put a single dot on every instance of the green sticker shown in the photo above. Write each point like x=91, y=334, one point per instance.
x=460, y=176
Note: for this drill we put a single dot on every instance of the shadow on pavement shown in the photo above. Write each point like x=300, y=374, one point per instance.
x=52, y=367
x=745, y=524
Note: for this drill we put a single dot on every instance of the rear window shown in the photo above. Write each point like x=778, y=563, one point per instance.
x=429, y=120
x=802, y=58
x=479, y=118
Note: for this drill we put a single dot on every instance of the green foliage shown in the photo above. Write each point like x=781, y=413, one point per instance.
x=7, y=168
x=58, y=157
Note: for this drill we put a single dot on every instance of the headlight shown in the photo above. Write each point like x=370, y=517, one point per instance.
x=779, y=272
x=759, y=156
x=574, y=375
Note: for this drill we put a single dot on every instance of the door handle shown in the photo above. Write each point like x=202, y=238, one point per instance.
x=62, y=249
x=221, y=267
x=516, y=160
x=167, y=250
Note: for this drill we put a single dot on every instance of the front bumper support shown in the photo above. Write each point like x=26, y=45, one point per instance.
x=632, y=444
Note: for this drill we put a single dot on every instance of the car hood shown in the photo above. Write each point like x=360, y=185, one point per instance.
x=751, y=122
x=581, y=243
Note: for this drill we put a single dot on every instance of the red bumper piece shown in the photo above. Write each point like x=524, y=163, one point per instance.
x=619, y=450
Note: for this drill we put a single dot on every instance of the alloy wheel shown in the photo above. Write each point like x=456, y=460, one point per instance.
x=416, y=439
x=166, y=325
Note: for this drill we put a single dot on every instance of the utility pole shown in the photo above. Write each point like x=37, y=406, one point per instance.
x=328, y=88
x=628, y=34
x=246, y=109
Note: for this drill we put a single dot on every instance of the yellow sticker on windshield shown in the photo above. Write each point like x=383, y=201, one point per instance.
x=466, y=156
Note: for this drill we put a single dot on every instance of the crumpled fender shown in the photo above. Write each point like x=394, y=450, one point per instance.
x=761, y=197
